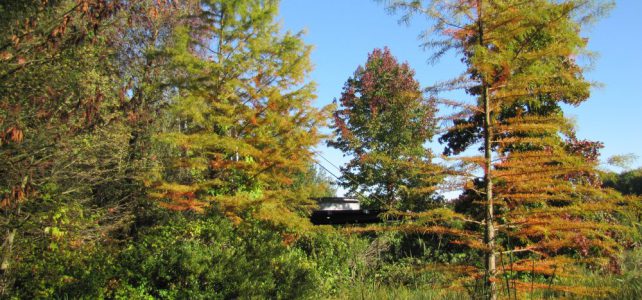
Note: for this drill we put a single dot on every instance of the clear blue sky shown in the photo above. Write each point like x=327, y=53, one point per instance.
x=343, y=32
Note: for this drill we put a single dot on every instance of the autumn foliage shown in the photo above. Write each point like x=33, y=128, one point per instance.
x=161, y=149
x=383, y=121
x=539, y=197
x=240, y=142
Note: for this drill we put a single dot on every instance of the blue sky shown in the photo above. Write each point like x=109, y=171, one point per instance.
x=343, y=32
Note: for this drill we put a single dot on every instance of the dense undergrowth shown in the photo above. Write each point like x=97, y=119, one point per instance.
x=174, y=255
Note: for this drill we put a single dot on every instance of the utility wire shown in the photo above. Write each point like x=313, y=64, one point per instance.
x=333, y=175
x=349, y=178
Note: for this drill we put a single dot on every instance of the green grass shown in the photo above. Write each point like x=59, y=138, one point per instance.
x=624, y=286
x=362, y=291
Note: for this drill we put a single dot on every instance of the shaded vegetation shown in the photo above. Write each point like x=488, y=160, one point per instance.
x=627, y=183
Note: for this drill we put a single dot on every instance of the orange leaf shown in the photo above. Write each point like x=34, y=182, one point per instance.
x=5, y=55
x=15, y=134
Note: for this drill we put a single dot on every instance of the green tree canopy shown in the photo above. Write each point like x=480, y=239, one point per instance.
x=627, y=182
x=383, y=122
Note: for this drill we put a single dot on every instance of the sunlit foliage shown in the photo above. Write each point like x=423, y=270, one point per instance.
x=383, y=121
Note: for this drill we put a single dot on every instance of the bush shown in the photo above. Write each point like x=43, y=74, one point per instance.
x=210, y=258
x=629, y=284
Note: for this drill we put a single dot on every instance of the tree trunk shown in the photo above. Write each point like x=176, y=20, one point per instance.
x=6, y=260
x=489, y=234
x=6, y=250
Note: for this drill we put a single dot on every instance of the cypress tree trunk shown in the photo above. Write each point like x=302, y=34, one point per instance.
x=489, y=235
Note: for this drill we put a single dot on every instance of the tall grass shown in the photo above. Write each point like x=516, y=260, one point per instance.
x=386, y=292
x=624, y=286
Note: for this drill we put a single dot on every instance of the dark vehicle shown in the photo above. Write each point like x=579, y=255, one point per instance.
x=340, y=210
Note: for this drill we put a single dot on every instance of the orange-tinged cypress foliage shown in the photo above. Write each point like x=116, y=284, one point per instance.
x=243, y=124
x=538, y=195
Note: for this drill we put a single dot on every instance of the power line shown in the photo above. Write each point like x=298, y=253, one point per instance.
x=347, y=176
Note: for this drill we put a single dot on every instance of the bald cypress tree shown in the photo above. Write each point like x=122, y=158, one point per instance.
x=242, y=126
x=538, y=201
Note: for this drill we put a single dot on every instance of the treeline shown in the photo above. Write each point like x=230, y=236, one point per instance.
x=163, y=149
